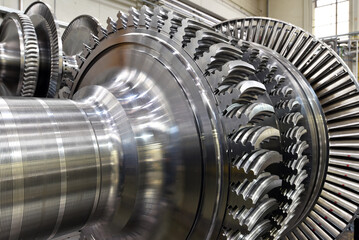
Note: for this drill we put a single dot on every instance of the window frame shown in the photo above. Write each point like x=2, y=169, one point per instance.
x=318, y=4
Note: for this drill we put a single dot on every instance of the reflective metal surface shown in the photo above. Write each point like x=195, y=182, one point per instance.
x=63, y=168
x=157, y=102
x=19, y=56
x=30, y=53
x=76, y=37
x=337, y=89
x=166, y=129
x=78, y=33
x=50, y=47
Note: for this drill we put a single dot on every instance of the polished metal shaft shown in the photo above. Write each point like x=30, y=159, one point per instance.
x=174, y=131
x=9, y=68
x=56, y=163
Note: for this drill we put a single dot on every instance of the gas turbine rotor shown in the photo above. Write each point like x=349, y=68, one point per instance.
x=337, y=91
x=30, y=53
x=271, y=117
x=173, y=131
x=77, y=36
x=19, y=56
x=50, y=46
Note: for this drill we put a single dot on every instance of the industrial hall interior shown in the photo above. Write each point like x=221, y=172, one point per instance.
x=179, y=119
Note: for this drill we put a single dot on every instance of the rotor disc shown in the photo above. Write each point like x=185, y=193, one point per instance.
x=265, y=132
x=19, y=45
x=78, y=33
x=337, y=90
x=50, y=47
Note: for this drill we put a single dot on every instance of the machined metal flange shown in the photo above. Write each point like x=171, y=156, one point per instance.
x=19, y=56
x=77, y=37
x=185, y=133
x=50, y=46
x=336, y=204
x=247, y=84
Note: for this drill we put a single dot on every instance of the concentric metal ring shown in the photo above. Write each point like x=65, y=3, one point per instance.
x=197, y=39
x=260, y=142
x=50, y=49
x=337, y=90
x=24, y=84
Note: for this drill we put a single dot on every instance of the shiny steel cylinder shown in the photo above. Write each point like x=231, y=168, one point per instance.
x=9, y=66
x=19, y=56
x=56, y=159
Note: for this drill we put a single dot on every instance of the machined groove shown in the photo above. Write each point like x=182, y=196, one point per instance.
x=316, y=229
x=314, y=65
x=344, y=163
x=291, y=236
x=298, y=233
x=292, y=118
x=254, y=111
x=232, y=76
x=20, y=56
x=334, y=209
x=342, y=192
x=337, y=93
x=349, y=153
x=289, y=104
x=298, y=164
x=344, y=172
x=343, y=182
x=308, y=232
x=297, y=42
x=306, y=52
x=324, y=224
x=248, y=218
x=50, y=28
x=328, y=216
x=296, y=133
x=250, y=165
x=341, y=129
x=218, y=55
x=345, y=143
x=253, y=125
x=331, y=82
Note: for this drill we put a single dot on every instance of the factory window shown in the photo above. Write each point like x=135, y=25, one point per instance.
x=331, y=17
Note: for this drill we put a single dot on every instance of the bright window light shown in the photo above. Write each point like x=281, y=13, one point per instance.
x=331, y=17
